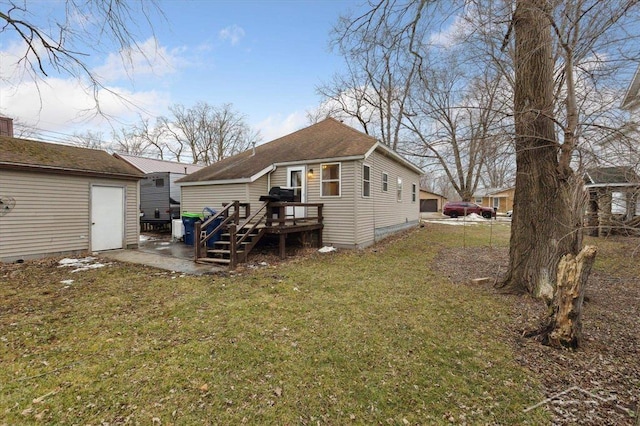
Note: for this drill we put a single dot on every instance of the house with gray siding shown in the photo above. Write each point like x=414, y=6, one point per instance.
x=368, y=191
x=61, y=200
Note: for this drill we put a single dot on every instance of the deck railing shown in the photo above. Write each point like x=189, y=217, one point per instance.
x=236, y=220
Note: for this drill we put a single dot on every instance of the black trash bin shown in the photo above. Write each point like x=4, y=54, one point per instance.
x=189, y=220
x=208, y=212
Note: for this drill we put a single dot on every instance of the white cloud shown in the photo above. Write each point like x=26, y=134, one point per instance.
x=276, y=126
x=450, y=35
x=64, y=105
x=68, y=104
x=147, y=59
x=232, y=33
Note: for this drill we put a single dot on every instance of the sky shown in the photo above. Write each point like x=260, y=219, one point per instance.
x=266, y=58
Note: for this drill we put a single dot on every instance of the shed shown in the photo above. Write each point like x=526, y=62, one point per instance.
x=367, y=190
x=59, y=199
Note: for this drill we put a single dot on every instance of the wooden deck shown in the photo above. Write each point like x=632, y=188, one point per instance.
x=239, y=228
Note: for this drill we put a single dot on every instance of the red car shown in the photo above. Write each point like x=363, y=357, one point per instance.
x=462, y=208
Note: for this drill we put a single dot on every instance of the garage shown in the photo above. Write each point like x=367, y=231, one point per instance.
x=65, y=200
x=428, y=206
x=430, y=202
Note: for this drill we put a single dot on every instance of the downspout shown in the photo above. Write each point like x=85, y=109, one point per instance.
x=269, y=177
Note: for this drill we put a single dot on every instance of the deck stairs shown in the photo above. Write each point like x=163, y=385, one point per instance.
x=238, y=231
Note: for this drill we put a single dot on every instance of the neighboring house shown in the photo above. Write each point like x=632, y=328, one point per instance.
x=631, y=100
x=368, y=190
x=430, y=202
x=500, y=199
x=58, y=199
x=614, y=196
x=159, y=193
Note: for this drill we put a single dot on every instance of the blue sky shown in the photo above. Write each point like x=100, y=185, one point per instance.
x=264, y=57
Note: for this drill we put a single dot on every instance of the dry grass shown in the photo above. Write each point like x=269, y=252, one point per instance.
x=361, y=337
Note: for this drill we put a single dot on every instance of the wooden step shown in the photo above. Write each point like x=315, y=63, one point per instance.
x=225, y=243
x=223, y=251
x=213, y=260
x=238, y=235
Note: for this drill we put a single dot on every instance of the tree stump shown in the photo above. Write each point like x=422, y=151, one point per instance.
x=563, y=327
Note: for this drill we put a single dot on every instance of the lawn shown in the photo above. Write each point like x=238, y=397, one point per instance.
x=364, y=337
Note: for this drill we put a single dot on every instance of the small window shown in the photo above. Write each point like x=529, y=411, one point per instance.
x=413, y=192
x=330, y=178
x=399, y=189
x=496, y=203
x=385, y=182
x=366, y=181
x=159, y=183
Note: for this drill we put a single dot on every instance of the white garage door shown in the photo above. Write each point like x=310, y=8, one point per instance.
x=107, y=218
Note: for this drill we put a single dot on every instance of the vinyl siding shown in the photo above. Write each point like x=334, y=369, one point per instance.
x=382, y=214
x=195, y=198
x=51, y=215
x=349, y=220
x=338, y=212
x=258, y=188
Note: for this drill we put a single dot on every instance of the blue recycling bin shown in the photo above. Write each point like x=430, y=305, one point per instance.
x=207, y=212
x=189, y=221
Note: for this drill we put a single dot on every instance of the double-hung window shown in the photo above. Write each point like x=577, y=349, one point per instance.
x=399, y=189
x=366, y=181
x=385, y=182
x=330, y=180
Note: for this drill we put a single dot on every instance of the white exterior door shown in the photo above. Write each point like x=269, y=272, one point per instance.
x=296, y=181
x=107, y=218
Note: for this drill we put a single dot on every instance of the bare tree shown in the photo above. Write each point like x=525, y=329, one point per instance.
x=129, y=141
x=209, y=133
x=55, y=49
x=90, y=139
x=456, y=120
x=382, y=50
x=564, y=53
x=561, y=58
x=155, y=137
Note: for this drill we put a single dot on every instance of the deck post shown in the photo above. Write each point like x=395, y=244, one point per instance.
x=196, y=240
x=233, y=256
x=283, y=249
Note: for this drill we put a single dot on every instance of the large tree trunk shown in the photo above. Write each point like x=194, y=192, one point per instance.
x=544, y=225
x=563, y=326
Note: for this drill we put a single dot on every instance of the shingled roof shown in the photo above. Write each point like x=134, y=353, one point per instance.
x=612, y=176
x=27, y=154
x=328, y=139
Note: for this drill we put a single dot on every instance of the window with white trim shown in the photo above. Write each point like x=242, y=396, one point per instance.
x=496, y=202
x=330, y=180
x=414, y=189
x=399, y=188
x=366, y=180
x=385, y=182
x=478, y=200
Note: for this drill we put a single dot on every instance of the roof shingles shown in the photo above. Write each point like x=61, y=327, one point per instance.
x=28, y=154
x=326, y=139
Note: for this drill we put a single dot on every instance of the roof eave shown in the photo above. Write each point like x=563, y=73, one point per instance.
x=612, y=185
x=391, y=153
x=68, y=171
x=249, y=179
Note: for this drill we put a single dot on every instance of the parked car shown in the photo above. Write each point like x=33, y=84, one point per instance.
x=461, y=208
x=509, y=213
